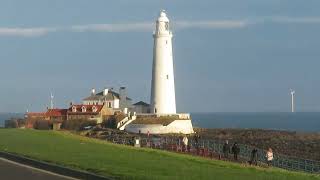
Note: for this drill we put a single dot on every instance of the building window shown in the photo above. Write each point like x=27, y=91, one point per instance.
x=83, y=109
x=94, y=109
x=74, y=109
x=166, y=41
x=109, y=105
x=167, y=76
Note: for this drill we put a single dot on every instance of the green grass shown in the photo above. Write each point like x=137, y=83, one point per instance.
x=127, y=162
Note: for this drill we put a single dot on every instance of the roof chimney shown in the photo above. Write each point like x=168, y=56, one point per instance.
x=105, y=91
x=123, y=93
x=93, y=91
x=123, y=97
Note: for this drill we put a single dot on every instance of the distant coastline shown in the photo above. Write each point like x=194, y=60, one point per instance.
x=299, y=121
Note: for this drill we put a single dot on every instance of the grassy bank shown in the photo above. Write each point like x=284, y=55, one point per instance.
x=127, y=162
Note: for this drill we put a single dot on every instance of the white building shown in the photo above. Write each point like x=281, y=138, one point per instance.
x=110, y=98
x=163, y=100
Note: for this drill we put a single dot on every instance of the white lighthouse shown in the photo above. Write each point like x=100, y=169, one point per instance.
x=163, y=100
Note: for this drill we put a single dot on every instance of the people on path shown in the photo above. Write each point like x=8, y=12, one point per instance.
x=226, y=149
x=269, y=156
x=254, y=157
x=133, y=140
x=235, y=150
x=185, y=143
x=196, y=141
x=148, y=141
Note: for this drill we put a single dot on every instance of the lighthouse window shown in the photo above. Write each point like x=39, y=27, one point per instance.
x=167, y=76
x=167, y=26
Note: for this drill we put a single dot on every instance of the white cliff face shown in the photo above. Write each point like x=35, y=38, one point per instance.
x=163, y=100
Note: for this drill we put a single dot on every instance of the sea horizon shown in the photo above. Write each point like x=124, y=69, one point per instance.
x=287, y=121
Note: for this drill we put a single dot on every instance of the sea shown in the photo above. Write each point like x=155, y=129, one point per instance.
x=299, y=121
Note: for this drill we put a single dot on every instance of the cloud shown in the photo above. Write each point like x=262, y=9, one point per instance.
x=130, y=27
x=149, y=26
x=25, y=32
x=223, y=24
x=124, y=27
x=300, y=20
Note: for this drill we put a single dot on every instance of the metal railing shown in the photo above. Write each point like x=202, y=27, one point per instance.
x=214, y=149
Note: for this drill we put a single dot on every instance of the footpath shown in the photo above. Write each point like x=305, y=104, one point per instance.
x=208, y=148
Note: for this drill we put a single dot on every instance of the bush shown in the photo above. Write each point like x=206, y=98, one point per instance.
x=11, y=124
x=109, y=122
x=78, y=124
x=14, y=123
x=21, y=122
x=42, y=125
x=87, y=123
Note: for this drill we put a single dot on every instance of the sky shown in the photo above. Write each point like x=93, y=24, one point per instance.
x=229, y=55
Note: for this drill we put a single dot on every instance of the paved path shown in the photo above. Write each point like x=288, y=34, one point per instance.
x=14, y=171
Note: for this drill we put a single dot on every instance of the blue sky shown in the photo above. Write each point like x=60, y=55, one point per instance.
x=238, y=56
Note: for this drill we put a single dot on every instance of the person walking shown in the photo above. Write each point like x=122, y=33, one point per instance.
x=269, y=156
x=185, y=143
x=254, y=157
x=226, y=149
x=196, y=141
x=235, y=150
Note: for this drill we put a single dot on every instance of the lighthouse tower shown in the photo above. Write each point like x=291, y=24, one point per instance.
x=163, y=100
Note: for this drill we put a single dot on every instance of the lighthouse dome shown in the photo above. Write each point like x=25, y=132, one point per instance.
x=163, y=16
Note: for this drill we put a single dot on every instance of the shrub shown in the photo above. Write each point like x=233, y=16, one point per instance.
x=109, y=122
x=42, y=125
x=78, y=124
x=11, y=123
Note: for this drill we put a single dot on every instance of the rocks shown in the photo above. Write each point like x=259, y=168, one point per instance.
x=302, y=145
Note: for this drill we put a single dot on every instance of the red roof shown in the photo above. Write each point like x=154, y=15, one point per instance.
x=89, y=108
x=56, y=112
x=36, y=114
x=50, y=113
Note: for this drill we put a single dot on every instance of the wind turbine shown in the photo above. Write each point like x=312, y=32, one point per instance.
x=292, y=92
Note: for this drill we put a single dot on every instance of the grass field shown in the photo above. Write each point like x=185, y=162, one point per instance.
x=127, y=162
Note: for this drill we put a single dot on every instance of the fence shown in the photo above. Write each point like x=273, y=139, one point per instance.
x=213, y=149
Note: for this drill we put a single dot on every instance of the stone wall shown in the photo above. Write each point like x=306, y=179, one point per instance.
x=177, y=126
